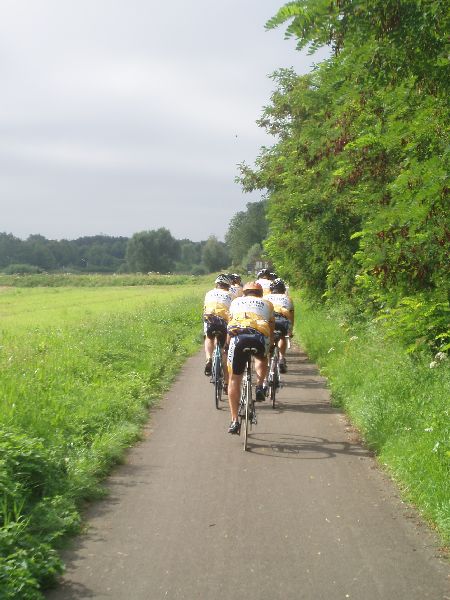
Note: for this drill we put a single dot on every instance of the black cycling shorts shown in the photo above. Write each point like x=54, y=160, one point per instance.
x=213, y=324
x=282, y=324
x=237, y=358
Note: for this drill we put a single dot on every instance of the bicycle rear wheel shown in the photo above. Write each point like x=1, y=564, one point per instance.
x=248, y=408
x=274, y=377
x=218, y=376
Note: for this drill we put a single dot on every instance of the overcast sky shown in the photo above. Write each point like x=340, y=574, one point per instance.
x=123, y=115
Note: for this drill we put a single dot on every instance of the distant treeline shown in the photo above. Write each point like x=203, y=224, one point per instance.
x=146, y=251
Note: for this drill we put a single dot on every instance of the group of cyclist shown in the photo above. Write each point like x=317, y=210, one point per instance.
x=246, y=316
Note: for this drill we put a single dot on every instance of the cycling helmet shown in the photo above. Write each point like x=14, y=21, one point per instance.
x=253, y=286
x=236, y=278
x=223, y=279
x=264, y=273
x=272, y=276
x=278, y=286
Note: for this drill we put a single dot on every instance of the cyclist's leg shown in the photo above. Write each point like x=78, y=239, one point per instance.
x=261, y=367
x=236, y=367
x=234, y=394
x=223, y=339
x=209, y=349
x=283, y=326
x=261, y=343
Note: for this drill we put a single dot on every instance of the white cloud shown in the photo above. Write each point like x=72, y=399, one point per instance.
x=160, y=98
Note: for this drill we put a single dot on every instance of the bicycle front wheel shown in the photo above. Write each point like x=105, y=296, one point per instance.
x=218, y=378
x=274, y=378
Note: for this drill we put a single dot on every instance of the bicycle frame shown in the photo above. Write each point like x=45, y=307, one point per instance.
x=217, y=370
x=274, y=378
x=274, y=375
x=247, y=409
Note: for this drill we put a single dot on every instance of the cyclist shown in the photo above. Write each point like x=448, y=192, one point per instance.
x=284, y=316
x=215, y=317
x=264, y=278
x=236, y=285
x=251, y=325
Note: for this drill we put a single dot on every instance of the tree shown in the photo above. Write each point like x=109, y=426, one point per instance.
x=215, y=255
x=253, y=254
x=11, y=249
x=190, y=256
x=246, y=228
x=154, y=250
x=39, y=252
x=357, y=180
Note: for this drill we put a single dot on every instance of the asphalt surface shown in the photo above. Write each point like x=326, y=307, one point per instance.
x=305, y=514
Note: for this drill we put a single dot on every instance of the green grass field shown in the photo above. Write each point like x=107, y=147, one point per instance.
x=79, y=368
x=98, y=280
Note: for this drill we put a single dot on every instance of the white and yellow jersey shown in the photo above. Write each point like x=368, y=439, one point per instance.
x=217, y=302
x=265, y=284
x=282, y=305
x=253, y=312
x=236, y=291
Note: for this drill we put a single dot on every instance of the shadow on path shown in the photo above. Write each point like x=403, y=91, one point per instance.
x=72, y=591
x=288, y=445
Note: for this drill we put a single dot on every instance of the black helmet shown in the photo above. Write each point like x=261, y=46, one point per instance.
x=223, y=279
x=236, y=279
x=278, y=286
x=272, y=276
x=264, y=273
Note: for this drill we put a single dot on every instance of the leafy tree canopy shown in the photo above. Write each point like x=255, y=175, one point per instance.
x=246, y=228
x=215, y=255
x=155, y=250
x=357, y=179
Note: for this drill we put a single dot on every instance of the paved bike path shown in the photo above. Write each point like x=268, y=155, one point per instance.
x=305, y=515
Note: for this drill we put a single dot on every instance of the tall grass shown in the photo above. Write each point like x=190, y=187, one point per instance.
x=78, y=372
x=400, y=404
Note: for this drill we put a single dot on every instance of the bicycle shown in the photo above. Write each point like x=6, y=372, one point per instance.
x=247, y=409
x=274, y=376
x=217, y=377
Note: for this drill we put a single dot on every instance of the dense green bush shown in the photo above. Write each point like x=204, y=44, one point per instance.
x=16, y=269
x=357, y=179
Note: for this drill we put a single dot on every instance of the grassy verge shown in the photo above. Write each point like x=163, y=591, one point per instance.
x=77, y=376
x=400, y=405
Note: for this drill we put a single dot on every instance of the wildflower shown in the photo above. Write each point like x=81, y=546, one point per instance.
x=428, y=429
x=433, y=364
x=436, y=446
x=331, y=350
x=353, y=338
x=441, y=356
